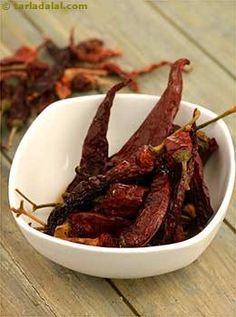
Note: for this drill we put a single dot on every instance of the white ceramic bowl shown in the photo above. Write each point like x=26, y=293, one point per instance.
x=44, y=164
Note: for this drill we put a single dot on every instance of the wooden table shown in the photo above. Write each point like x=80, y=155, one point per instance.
x=203, y=31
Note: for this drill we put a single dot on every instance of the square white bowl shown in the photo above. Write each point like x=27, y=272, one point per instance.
x=44, y=165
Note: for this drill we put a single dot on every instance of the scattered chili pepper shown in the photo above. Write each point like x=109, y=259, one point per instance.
x=75, y=68
x=91, y=50
x=23, y=55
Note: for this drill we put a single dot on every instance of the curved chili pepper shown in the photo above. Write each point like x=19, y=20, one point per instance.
x=158, y=124
x=200, y=194
x=90, y=224
x=141, y=163
x=175, y=208
x=95, y=147
x=151, y=217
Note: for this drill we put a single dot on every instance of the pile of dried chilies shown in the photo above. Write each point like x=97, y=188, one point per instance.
x=29, y=83
x=151, y=192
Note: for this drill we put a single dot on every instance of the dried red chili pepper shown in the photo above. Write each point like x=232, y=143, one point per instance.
x=158, y=124
x=92, y=51
x=23, y=55
x=149, y=220
x=206, y=146
x=90, y=224
x=121, y=196
x=200, y=194
x=141, y=163
x=104, y=240
x=185, y=155
x=95, y=147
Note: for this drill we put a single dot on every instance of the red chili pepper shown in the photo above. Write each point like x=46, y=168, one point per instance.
x=158, y=124
x=141, y=163
x=185, y=154
x=23, y=55
x=200, y=194
x=104, y=240
x=151, y=217
x=92, y=51
x=95, y=147
x=121, y=200
x=90, y=224
x=206, y=146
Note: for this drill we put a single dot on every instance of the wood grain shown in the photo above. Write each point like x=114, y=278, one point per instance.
x=211, y=25
x=205, y=288
x=67, y=293
x=18, y=296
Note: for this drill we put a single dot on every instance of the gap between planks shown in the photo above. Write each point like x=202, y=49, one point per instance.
x=27, y=279
x=190, y=38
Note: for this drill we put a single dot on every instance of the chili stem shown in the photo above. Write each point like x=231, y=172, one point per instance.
x=22, y=211
x=158, y=149
x=224, y=114
x=34, y=205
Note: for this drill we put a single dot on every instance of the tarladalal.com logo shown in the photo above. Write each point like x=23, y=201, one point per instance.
x=42, y=5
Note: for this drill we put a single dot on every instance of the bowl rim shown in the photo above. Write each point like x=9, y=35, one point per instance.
x=213, y=224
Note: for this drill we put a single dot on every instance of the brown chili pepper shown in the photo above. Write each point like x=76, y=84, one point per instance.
x=92, y=51
x=95, y=147
x=90, y=224
x=83, y=195
x=121, y=196
x=186, y=156
x=150, y=219
x=158, y=124
x=200, y=194
x=206, y=146
x=23, y=55
x=104, y=240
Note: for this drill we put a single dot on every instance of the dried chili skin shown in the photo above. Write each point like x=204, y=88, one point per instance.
x=172, y=224
x=141, y=163
x=104, y=240
x=206, y=146
x=90, y=224
x=121, y=196
x=23, y=55
x=95, y=147
x=92, y=50
x=200, y=194
x=150, y=219
x=158, y=124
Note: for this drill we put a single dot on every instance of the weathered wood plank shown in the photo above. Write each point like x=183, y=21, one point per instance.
x=210, y=24
x=67, y=293
x=16, y=30
x=18, y=296
x=141, y=42
x=205, y=288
